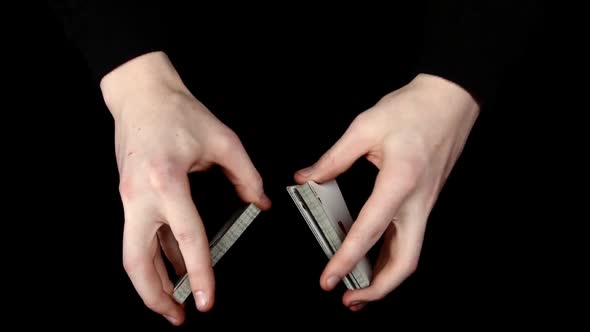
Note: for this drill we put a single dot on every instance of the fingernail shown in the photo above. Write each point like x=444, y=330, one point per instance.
x=332, y=281
x=171, y=319
x=201, y=300
x=306, y=171
x=356, y=303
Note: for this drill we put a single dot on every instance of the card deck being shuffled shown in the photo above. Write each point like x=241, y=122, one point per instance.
x=325, y=211
x=220, y=244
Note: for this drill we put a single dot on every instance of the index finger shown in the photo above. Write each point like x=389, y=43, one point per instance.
x=242, y=173
x=389, y=193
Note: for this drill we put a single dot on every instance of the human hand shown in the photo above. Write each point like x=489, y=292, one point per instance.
x=413, y=136
x=162, y=133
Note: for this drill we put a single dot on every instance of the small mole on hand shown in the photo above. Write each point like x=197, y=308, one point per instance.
x=139, y=129
x=130, y=153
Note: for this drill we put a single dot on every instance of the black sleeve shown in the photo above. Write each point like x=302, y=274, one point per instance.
x=472, y=43
x=110, y=32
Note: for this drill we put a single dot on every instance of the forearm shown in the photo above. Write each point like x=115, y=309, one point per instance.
x=109, y=33
x=472, y=43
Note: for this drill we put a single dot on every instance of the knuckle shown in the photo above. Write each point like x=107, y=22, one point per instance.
x=130, y=264
x=361, y=119
x=362, y=127
x=382, y=288
x=177, y=99
x=409, y=173
x=153, y=304
x=359, y=124
x=410, y=267
x=380, y=292
x=225, y=142
x=126, y=190
x=185, y=238
x=162, y=175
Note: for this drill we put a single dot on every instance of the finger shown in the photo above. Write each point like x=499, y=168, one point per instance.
x=384, y=257
x=163, y=273
x=171, y=250
x=188, y=230
x=139, y=253
x=401, y=252
x=390, y=191
x=357, y=307
x=382, y=261
x=349, y=148
x=241, y=172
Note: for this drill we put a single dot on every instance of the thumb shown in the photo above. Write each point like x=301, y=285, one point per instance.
x=350, y=147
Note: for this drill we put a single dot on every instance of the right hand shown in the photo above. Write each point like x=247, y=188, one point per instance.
x=162, y=132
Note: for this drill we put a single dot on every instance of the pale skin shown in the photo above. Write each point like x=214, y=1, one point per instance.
x=413, y=135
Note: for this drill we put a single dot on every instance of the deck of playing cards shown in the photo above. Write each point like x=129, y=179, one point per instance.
x=220, y=244
x=325, y=211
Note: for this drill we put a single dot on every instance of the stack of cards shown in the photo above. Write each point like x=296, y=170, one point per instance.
x=325, y=211
x=220, y=244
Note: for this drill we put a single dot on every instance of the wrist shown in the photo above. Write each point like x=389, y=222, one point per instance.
x=444, y=92
x=151, y=74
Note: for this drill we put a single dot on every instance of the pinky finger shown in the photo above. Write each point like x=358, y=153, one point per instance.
x=399, y=255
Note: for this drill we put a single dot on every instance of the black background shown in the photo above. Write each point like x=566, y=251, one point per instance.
x=479, y=249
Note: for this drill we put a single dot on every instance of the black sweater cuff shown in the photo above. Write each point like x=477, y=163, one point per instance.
x=472, y=43
x=109, y=33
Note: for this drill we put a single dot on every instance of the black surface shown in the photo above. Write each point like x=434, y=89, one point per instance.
x=472, y=263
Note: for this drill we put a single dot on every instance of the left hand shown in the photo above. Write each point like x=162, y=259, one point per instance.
x=414, y=136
